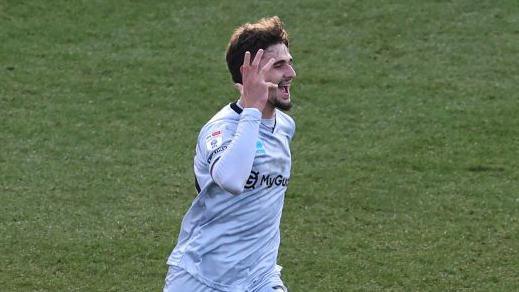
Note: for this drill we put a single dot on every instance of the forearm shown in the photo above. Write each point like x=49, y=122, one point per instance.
x=233, y=167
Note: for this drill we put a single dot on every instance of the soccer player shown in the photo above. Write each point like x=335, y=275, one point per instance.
x=230, y=236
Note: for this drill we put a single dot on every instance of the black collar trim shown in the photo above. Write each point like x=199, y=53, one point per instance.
x=236, y=108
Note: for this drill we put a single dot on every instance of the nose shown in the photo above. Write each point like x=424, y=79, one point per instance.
x=290, y=73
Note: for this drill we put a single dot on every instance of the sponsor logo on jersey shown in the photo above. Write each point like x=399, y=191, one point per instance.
x=260, y=148
x=214, y=140
x=216, y=151
x=268, y=180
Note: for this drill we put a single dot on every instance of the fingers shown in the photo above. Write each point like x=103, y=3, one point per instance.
x=267, y=66
x=246, y=59
x=257, y=58
x=271, y=85
x=256, y=61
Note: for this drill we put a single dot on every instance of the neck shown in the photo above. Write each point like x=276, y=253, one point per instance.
x=268, y=111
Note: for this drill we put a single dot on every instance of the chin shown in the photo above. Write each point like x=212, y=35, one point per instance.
x=282, y=105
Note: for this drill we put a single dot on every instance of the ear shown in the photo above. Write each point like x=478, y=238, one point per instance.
x=239, y=87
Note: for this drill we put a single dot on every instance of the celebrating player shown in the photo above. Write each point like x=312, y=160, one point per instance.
x=230, y=236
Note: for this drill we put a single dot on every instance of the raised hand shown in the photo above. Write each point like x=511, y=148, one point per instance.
x=254, y=89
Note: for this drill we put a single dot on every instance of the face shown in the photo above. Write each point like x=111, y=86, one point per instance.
x=281, y=73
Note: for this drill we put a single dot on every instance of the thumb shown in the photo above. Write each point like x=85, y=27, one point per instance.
x=271, y=85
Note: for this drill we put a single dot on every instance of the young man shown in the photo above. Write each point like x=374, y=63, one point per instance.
x=229, y=238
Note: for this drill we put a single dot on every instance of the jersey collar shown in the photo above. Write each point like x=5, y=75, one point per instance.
x=236, y=107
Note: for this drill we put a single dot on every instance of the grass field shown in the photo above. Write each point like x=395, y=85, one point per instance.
x=405, y=162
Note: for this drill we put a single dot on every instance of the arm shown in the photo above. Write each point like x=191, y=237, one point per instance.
x=232, y=169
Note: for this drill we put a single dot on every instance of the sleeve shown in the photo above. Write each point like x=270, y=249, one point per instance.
x=293, y=124
x=230, y=154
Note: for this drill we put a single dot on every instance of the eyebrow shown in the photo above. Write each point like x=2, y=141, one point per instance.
x=282, y=61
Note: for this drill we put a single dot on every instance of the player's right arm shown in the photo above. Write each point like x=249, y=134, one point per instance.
x=230, y=164
x=233, y=164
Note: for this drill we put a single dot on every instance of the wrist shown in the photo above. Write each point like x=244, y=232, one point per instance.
x=257, y=106
x=251, y=111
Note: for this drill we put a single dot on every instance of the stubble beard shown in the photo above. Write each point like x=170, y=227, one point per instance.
x=276, y=103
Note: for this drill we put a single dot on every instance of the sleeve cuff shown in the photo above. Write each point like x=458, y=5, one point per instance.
x=251, y=112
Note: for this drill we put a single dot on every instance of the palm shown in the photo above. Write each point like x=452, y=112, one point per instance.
x=255, y=88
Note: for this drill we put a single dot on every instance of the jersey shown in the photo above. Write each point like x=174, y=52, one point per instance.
x=230, y=242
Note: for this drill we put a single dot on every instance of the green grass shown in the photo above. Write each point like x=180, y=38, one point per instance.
x=405, y=162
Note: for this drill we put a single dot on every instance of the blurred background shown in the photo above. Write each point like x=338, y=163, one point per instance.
x=405, y=161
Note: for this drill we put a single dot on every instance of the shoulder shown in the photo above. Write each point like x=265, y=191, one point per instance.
x=226, y=114
x=286, y=123
x=224, y=120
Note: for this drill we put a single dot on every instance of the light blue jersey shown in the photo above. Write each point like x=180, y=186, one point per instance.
x=230, y=242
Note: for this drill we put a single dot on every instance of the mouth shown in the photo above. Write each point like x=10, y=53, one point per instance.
x=284, y=88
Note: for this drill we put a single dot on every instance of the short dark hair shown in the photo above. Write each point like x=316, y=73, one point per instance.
x=252, y=37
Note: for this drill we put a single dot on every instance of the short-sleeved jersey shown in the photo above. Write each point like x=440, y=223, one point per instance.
x=230, y=242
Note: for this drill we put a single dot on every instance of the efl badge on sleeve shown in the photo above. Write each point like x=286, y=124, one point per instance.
x=214, y=140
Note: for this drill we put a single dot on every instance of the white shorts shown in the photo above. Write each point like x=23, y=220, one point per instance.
x=178, y=280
